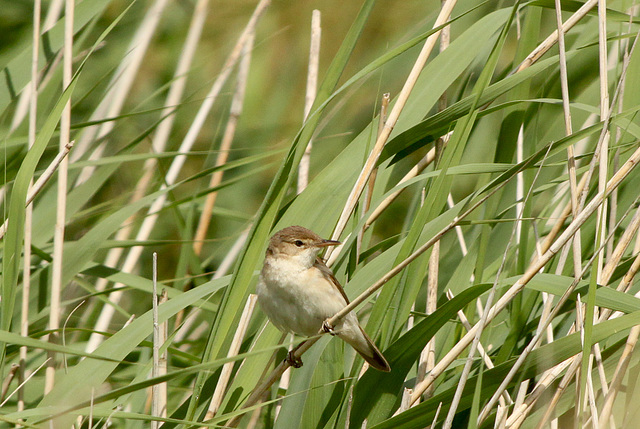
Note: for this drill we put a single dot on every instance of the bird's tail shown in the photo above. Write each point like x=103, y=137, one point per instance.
x=368, y=350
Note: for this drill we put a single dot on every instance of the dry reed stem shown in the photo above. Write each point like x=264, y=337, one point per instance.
x=58, y=238
x=390, y=123
x=171, y=176
x=621, y=370
x=55, y=8
x=156, y=344
x=484, y=319
x=428, y=356
x=415, y=170
x=550, y=375
x=543, y=47
x=42, y=180
x=384, y=106
x=161, y=135
x=234, y=348
x=604, y=113
x=531, y=271
x=158, y=391
x=225, y=145
x=26, y=276
x=573, y=363
x=310, y=95
x=571, y=162
x=120, y=87
x=24, y=382
x=13, y=371
x=544, y=323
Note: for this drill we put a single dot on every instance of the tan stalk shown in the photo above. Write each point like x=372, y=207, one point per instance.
x=625, y=358
x=406, y=396
x=415, y=170
x=571, y=161
x=573, y=363
x=24, y=382
x=158, y=391
x=459, y=234
x=26, y=275
x=310, y=96
x=58, y=238
x=225, y=145
x=531, y=271
x=551, y=40
x=42, y=180
x=427, y=358
x=390, y=123
x=604, y=113
x=234, y=348
x=171, y=176
x=91, y=408
x=161, y=136
x=537, y=338
x=55, y=8
x=384, y=106
x=484, y=319
x=13, y=372
x=505, y=399
x=119, y=89
x=24, y=102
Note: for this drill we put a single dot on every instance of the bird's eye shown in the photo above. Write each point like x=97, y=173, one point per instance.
x=298, y=243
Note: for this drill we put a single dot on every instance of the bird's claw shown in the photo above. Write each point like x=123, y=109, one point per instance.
x=293, y=360
x=326, y=327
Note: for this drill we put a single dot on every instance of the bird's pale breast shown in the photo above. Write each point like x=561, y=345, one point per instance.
x=297, y=300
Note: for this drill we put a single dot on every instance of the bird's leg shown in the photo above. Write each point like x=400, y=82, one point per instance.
x=293, y=360
x=326, y=327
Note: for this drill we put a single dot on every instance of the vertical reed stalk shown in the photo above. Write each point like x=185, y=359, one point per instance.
x=58, y=240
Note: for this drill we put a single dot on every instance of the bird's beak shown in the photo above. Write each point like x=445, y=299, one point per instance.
x=327, y=243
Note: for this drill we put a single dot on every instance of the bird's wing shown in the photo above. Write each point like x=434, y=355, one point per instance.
x=327, y=273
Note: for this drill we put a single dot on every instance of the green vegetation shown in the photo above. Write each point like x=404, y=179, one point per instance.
x=189, y=127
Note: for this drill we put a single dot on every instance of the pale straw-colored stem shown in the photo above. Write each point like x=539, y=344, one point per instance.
x=171, y=176
x=310, y=95
x=505, y=398
x=571, y=161
x=531, y=272
x=545, y=322
x=35, y=189
x=155, y=401
x=573, y=363
x=427, y=358
x=234, y=348
x=225, y=146
x=604, y=113
x=58, y=238
x=161, y=135
x=26, y=276
x=390, y=123
x=415, y=170
x=120, y=88
x=384, y=106
x=551, y=40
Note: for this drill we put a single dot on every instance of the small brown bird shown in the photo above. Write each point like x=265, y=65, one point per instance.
x=298, y=292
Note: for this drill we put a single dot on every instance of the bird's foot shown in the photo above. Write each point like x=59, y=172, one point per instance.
x=326, y=327
x=293, y=360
